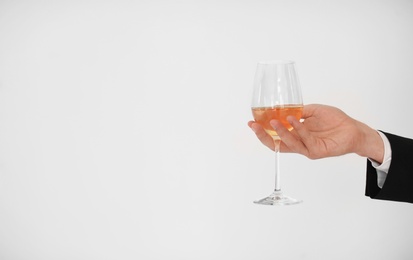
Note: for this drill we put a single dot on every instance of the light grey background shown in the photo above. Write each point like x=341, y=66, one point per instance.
x=123, y=129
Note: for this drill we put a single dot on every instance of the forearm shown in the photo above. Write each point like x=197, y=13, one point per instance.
x=399, y=180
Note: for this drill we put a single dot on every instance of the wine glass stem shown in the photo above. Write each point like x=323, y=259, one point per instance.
x=277, y=164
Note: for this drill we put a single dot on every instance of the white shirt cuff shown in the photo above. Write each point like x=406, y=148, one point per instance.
x=383, y=168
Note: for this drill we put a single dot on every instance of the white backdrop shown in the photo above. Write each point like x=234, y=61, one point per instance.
x=123, y=129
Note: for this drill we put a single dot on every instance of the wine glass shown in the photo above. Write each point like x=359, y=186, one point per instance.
x=276, y=95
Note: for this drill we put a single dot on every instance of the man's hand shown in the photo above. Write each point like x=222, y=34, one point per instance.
x=325, y=131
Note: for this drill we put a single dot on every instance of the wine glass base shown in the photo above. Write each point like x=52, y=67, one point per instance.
x=277, y=198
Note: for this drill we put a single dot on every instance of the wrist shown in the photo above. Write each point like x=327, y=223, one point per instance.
x=371, y=144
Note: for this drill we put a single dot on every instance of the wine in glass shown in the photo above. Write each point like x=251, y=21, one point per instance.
x=276, y=95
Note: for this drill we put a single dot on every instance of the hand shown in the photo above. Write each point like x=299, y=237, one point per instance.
x=326, y=131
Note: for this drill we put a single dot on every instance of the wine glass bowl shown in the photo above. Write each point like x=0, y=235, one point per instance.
x=276, y=95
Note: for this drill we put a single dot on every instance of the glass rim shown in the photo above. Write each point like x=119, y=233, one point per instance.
x=276, y=62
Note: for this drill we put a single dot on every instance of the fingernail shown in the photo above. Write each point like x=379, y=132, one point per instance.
x=273, y=124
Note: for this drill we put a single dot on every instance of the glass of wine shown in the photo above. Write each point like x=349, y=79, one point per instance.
x=276, y=95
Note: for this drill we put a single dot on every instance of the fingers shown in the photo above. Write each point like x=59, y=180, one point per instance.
x=289, y=140
x=259, y=131
x=301, y=130
x=297, y=142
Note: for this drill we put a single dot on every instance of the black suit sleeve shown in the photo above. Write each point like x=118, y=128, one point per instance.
x=399, y=181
